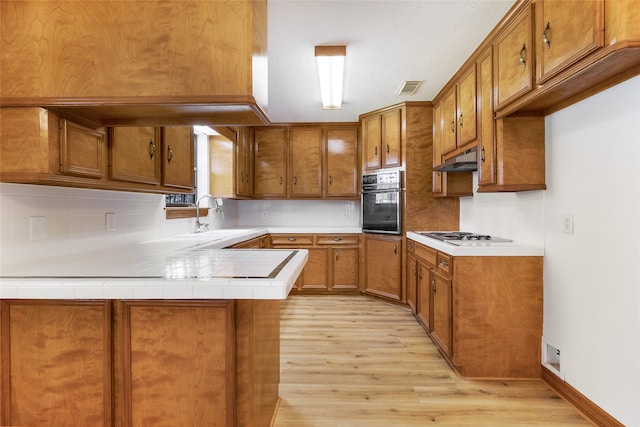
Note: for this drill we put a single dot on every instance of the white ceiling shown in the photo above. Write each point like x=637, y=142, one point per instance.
x=388, y=41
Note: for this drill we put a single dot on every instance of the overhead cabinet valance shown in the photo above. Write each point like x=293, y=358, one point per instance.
x=137, y=63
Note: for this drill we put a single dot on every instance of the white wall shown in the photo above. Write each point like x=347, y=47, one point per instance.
x=591, y=277
x=74, y=220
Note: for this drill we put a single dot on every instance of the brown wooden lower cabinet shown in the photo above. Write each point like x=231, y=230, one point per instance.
x=483, y=312
x=139, y=362
x=333, y=263
x=384, y=266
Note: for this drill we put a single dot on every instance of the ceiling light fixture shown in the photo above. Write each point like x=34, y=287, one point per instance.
x=331, y=71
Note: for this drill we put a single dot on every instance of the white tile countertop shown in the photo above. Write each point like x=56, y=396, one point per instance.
x=480, y=249
x=190, y=266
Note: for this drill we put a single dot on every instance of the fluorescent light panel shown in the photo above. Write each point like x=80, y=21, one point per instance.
x=331, y=72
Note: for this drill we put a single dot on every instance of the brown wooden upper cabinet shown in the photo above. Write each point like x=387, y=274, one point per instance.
x=270, y=151
x=178, y=157
x=305, y=162
x=487, y=142
x=459, y=114
x=342, y=177
x=382, y=140
x=566, y=33
x=513, y=58
x=230, y=160
x=135, y=154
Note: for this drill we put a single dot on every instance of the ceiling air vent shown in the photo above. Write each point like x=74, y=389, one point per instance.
x=408, y=87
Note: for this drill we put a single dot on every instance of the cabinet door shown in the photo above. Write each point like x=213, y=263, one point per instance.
x=513, y=60
x=487, y=167
x=566, y=33
x=243, y=166
x=306, y=162
x=412, y=283
x=466, y=132
x=372, y=139
x=56, y=363
x=344, y=268
x=270, y=147
x=441, y=327
x=423, y=284
x=392, y=138
x=449, y=120
x=438, y=131
x=383, y=266
x=135, y=154
x=222, y=166
x=342, y=176
x=178, y=157
x=83, y=151
x=314, y=274
x=177, y=365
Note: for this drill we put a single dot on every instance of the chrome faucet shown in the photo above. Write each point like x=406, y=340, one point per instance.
x=200, y=226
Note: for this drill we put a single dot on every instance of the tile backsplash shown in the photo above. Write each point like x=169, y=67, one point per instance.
x=39, y=220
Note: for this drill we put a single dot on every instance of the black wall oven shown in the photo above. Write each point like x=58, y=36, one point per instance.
x=382, y=202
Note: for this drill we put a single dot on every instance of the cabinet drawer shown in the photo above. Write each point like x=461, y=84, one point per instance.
x=445, y=263
x=337, y=239
x=426, y=254
x=292, y=239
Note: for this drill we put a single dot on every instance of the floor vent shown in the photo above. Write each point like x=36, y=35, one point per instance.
x=409, y=87
x=551, y=357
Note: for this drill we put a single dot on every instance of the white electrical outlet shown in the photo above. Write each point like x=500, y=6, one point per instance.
x=265, y=214
x=110, y=221
x=567, y=223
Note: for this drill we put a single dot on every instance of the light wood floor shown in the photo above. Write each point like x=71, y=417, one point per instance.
x=357, y=361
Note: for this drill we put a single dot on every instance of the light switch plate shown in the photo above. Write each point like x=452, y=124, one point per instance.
x=37, y=227
x=110, y=221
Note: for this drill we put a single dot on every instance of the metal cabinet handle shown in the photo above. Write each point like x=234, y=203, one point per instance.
x=169, y=154
x=387, y=148
x=482, y=154
x=337, y=239
x=420, y=272
x=452, y=125
x=280, y=180
x=375, y=150
x=337, y=255
x=295, y=180
x=523, y=51
x=545, y=37
x=395, y=248
x=330, y=180
x=460, y=120
x=444, y=263
x=433, y=285
x=292, y=239
x=152, y=149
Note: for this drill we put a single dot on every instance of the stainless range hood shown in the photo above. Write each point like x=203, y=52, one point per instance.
x=463, y=162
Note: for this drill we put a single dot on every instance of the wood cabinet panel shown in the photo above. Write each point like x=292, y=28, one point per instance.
x=566, y=34
x=314, y=275
x=56, y=362
x=441, y=326
x=466, y=108
x=449, y=121
x=371, y=140
x=412, y=281
x=487, y=146
x=342, y=172
x=514, y=59
x=391, y=138
x=178, y=157
x=305, y=150
x=83, y=151
x=384, y=267
x=181, y=382
x=270, y=145
x=344, y=265
x=135, y=154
